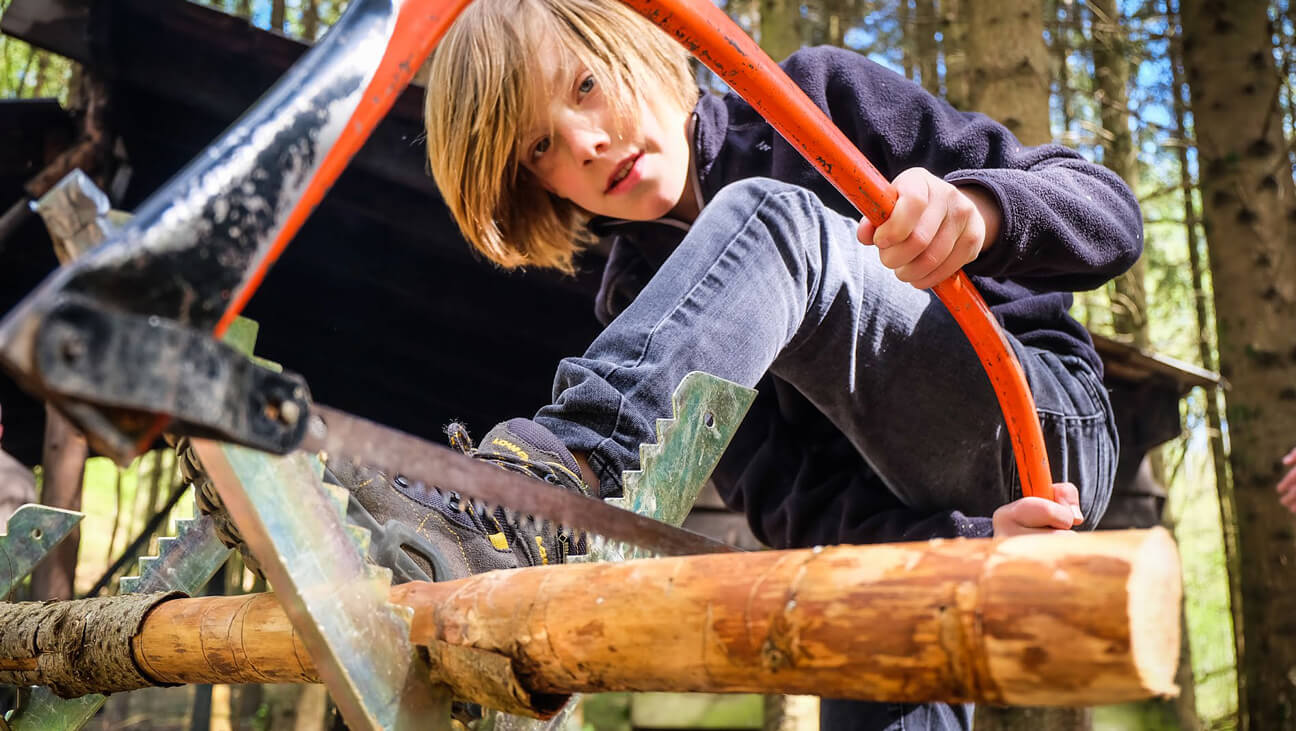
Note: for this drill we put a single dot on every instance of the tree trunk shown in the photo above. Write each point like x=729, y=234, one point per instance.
x=155, y=498
x=954, y=45
x=42, y=74
x=310, y=20
x=1062, y=19
x=1206, y=352
x=925, y=48
x=64, y=463
x=1249, y=214
x=1111, y=56
x=1111, y=51
x=837, y=18
x=780, y=27
x=118, y=509
x=904, y=17
x=312, y=706
x=278, y=15
x=1009, y=80
x=20, y=89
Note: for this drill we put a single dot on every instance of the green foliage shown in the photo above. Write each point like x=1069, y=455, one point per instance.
x=296, y=14
x=30, y=73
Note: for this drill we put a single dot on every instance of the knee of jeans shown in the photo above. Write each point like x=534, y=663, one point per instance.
x=748, y=196
x=789, y=213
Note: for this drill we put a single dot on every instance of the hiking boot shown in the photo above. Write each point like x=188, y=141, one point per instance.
x=426, y=533
x=521, y=445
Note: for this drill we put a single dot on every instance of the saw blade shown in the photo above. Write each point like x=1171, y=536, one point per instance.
x=487, y=487
x=339, y=602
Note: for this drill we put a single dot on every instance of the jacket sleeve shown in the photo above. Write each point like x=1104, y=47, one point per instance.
x=1068, y=224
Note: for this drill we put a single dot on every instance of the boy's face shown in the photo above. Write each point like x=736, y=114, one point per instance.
x=576, y=150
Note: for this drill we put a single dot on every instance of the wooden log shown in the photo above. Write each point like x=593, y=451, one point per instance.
x=226, y=640
x=1076, y=619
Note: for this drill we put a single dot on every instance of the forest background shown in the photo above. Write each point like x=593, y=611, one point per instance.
x=1195, y=106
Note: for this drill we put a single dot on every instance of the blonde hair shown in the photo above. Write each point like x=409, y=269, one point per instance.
x=481, y=91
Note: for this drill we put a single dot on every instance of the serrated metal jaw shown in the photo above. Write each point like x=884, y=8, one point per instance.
x=672, y=471
x=31, y=532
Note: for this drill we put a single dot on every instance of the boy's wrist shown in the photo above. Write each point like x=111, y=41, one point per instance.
x=988, y=206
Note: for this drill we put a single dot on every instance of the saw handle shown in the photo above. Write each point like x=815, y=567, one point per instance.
x=720, y=44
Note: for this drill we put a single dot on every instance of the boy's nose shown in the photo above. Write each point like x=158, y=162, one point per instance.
x=587, y=143
x=589, y=146
x=594, y=149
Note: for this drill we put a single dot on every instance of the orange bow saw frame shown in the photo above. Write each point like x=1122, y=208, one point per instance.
x=102, y=336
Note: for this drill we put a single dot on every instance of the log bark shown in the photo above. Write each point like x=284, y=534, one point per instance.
x=1034, y=620
x=75, y=647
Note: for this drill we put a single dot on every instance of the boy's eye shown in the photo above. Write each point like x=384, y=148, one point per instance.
x=539, y=148
x=586, y=85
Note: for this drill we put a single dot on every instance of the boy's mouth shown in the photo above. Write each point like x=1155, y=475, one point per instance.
x=623, y=171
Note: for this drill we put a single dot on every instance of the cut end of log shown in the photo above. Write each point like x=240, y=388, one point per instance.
x=1155, y=592
x=1082, y=619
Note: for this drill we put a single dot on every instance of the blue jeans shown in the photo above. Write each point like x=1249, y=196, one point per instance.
x=770, y=279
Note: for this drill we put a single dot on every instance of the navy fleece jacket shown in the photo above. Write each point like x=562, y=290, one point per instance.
x=1068, y=224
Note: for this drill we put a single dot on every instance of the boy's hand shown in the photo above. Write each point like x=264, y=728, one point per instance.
x=934, y=229
x=1287, y=485
x=1037, y=515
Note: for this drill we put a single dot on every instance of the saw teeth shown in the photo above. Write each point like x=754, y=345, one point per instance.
x=512, y=518
x=338, y=494
x=165, y=545
x=361, y=538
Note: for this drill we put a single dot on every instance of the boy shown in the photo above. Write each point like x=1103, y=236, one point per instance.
x=553, y=123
